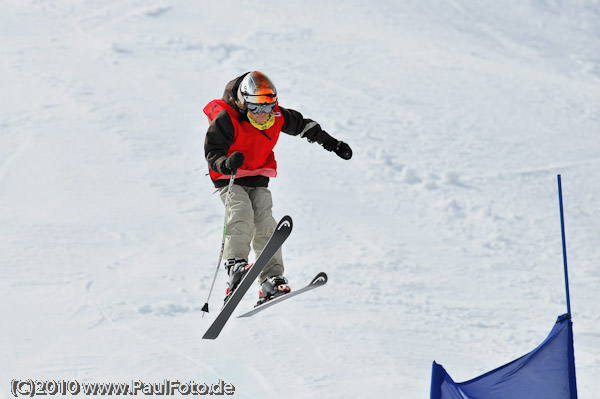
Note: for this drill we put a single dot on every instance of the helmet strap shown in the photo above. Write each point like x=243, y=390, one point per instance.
x=240, y=102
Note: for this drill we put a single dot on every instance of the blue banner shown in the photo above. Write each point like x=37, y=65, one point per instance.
x=547, y=372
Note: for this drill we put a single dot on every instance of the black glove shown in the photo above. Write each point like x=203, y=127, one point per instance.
x=235, y=161
x=342, y=149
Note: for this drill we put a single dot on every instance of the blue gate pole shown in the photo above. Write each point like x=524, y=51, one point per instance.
x=564, y=244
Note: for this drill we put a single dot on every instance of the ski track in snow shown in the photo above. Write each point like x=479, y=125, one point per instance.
x=440, y=237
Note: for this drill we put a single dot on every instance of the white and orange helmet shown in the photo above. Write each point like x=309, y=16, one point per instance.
x=257, y=93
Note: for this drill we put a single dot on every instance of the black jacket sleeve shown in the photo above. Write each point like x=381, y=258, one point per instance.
x=219, y=137
x=296, y=125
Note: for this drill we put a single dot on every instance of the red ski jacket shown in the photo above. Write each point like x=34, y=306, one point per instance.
x=256, y=145
x=230, y=131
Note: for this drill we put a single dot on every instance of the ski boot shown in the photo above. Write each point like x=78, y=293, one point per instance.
x=271, y=288
x=236, y=269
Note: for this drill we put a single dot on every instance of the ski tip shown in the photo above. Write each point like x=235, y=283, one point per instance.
x=319, y=279
x=285, y=222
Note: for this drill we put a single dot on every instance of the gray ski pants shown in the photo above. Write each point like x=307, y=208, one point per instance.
x=250, y=221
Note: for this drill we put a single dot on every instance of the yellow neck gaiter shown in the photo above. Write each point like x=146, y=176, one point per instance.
x=270, y=121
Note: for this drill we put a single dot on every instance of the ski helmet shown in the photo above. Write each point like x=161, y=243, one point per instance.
x=258, y=90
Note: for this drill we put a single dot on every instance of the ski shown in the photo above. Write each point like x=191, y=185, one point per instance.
x=319, y=280
x=281, y=233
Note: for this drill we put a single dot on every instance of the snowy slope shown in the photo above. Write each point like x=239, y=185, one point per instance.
x=441, y=237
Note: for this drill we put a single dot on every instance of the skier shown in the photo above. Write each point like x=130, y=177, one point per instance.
x=244, y=128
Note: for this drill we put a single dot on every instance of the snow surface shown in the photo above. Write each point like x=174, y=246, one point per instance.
x=441, y=237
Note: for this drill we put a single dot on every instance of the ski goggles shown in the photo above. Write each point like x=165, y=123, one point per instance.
x=261, y=108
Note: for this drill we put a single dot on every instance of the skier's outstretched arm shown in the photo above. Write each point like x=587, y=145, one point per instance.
x=296, y=125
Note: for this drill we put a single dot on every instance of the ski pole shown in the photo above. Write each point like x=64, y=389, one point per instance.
x=227, y=200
